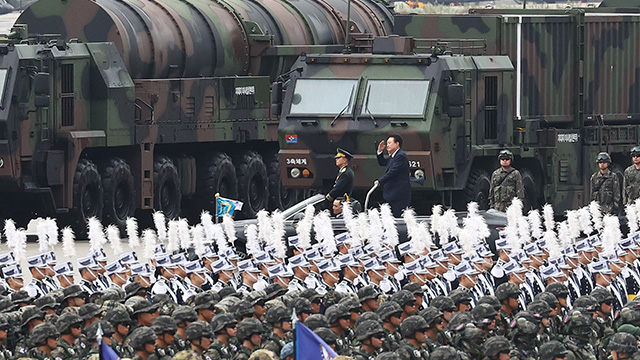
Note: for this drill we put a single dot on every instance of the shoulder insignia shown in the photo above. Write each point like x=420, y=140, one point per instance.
x=161, y=351
x=181, y=342
x=416, y=353
x=71, y=351
x=343, y=169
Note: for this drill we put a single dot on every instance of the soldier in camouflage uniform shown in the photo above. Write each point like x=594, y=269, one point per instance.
x=413, y=330
x=552, y=350
x=631, y=181
x=279, y=318
x=623, y=346
x=435, y=326
x=391, y=315
x=223, y=327
x=165, y=328
x=184, y=315
x=605, y=186
x=250, y=335
x=506, y=183
x=70, y=327
x=200, y=336
x=496, y=347
x=121, y=322
x=92, y=333
x=579, y=336
x=44, y=338
x=509, y=296
x=523, y=337
x=143, y=342
x=370, y=334
x=5, y=353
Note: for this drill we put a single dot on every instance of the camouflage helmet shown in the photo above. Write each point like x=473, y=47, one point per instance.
x=635, y=151
x=603, y=157
x=495, y=345
x=302, y=305
x=388, y=308
x=551, y=350
x=560, y=290
x=184, y=313
x=88, y=311
x=66, y=320
x=107, y=329
x=368, y=328
x=539, y=308
x=4, y=320
x=369, y=315
x=220, y=321
x=350, y=303
x=602, y=295
x=164, y=324
x=31, y=312
x=244, y=309
x=47, y=301
x=505, y=154
x=484, y=313
x=523, y=328
x=117, y=316
x=316, y=321
x=459, y=319
x=431, y=315
x=491, y=300
x=142, y=336
x=367, y=293
x=388, y=356
x=623, y=343
x=578, y=323
x=628, y=316
x=506, y=290
x=198, y=329
x=443, y=303
x=42, y=332
x=276, y=314
x=586, y=302
x=403, y=297
x=411, y=325
x=335, y=312
x=549, y=298
x=444, y=353
x=248, y=327
x=460, y=296
x=326, y=334
x=187, y=355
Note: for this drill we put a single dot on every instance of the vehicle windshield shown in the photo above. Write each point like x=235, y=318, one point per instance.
x=324, y=97
x=396, y=97
x=301, y=206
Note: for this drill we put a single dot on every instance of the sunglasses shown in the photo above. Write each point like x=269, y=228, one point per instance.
x=378, y=336
x=4, y=328
x=170, y=333
x=231, y=326
x=124, y=324
x=515, y=297
x=77, y=326
x=397, y=315
x=260, y=303
x=410, y=304
x=317, y=302
x=505, y=352
x=608, y=302
x=346, y=317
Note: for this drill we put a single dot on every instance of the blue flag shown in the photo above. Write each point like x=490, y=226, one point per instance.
x=107, y=353
x=227, y=206
x=310, y=346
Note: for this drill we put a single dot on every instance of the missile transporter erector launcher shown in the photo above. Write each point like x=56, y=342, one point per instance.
x=141, y=105
x=554, y=87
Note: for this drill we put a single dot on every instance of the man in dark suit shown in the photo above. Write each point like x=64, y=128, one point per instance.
x=396, y=188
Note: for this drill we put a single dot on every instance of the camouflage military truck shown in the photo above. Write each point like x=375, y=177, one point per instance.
x=554, y=87
x=140, y=105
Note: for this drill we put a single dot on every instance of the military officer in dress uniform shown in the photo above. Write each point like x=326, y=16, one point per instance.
x=300, y=267
x=351, y=268
x=344, y=181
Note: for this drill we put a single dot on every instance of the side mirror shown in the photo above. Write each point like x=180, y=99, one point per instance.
x=41, y=84
x=455, y=96
x=276, y=98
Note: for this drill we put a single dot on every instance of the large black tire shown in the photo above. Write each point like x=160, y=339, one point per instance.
x=477, y=188
x=119, y=192
x=87, y=197
x=279, y=196
x=216, y=175
x=253, y=183
x=531, y=192
x=167, y=194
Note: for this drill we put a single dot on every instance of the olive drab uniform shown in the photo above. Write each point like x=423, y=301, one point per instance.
x=244, y=353
x=272, y=342
x=221, y=351
x=631, y=184
x=406, y=351
x=360, y=354
x=605, y=189
x=66, y=350
x=578, y=351
x=505, y=185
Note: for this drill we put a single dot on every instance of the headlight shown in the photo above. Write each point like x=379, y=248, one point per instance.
x=418, y=173
x=295, y=173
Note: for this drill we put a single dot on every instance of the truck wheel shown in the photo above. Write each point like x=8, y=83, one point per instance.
x=253, y=183
x=279, y=196
x=119, y=192
x=87, y=195
x=477, y=188
x=216, y=174
x=167, y=194
x=530, y=190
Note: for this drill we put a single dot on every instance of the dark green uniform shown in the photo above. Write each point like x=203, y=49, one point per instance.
x=631, y=188
x=244, y=353
x=406, y=351
x=505, y=185
x=35, y=353
x=273, y=343
x=66, y=350
x=579, y=350
x=343, y=184
x=360, y=354
x=391, y=341
x=122, y=350
x=220, y=351
x=605, y=189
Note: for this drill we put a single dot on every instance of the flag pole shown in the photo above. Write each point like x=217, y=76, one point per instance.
x=216, y=207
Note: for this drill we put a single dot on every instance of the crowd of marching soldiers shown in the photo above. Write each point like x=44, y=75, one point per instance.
x=393, y=303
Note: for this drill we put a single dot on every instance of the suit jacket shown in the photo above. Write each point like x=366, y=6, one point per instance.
x=395, y=181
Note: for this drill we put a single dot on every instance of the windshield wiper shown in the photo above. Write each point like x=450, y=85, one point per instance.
x=366, y=107
x=345, y=107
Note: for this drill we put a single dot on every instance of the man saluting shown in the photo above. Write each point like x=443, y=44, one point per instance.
x=396, y=188
x=344, y=180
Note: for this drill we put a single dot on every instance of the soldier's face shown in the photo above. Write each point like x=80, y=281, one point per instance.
x=505, y=162
x=635, y=158
x=341, y=161
x=603, y=165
